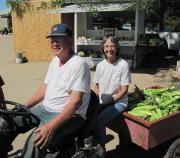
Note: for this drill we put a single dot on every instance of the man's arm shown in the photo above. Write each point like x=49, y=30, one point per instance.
x=69, y=110
x=37, y=97
x=2, y=105
x=1, y=94
x=1, y=81
x=45, y=132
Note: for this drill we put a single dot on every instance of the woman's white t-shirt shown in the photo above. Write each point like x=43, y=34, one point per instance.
x=111, y=76
x=61, y=80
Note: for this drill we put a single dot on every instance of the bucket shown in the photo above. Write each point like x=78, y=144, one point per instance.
x=19, y=58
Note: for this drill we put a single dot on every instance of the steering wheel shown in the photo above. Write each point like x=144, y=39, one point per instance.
x=14, y=109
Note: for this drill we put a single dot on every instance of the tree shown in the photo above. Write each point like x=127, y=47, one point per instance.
x=161, y=10
x=20, y=6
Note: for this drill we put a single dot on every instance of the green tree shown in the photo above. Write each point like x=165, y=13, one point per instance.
x=22, y=4
x=155, y=9
x=161, y=11
x=19, y=6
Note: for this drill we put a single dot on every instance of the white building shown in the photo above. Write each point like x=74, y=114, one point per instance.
x=4, y=14
x=89, y=30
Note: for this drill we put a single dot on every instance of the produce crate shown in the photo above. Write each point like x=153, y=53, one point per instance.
x=150, y=134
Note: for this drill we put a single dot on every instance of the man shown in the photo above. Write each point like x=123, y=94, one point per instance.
x=1, y=93
x=3, y=140
x=65, y=94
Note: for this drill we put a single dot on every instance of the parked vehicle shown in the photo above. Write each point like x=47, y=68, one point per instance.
x=4, y=31
x=127, y=26
x=170, y=40
x=155, y=40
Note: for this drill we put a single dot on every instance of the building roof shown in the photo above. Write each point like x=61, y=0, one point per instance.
x=97, y=1
x=85, y=8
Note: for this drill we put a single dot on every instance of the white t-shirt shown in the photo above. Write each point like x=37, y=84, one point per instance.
x=73, y=75
x=111, y=76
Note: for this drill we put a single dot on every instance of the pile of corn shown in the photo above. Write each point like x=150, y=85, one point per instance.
x=158, y=103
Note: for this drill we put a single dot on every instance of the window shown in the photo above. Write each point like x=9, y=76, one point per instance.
x=123, y=20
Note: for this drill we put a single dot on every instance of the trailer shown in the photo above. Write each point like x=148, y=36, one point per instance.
x=151, y=134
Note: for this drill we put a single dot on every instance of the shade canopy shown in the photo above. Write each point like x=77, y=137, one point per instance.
x=86, y=8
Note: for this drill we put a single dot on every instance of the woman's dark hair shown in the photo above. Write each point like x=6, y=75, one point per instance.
x=114, y=40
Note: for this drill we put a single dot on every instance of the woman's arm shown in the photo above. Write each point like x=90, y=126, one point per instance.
x=122, y=91
x=95, y=88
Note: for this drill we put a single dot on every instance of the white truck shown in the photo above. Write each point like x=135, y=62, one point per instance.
x=172, y=38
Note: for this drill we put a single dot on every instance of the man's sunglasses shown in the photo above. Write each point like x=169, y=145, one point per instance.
x=58, y=39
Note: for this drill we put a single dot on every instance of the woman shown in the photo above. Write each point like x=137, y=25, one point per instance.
x=112, y=78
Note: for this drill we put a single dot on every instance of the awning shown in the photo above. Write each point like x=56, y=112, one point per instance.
x=86, y=8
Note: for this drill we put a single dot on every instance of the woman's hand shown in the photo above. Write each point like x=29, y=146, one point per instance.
x=107, y=99
x=44, y=135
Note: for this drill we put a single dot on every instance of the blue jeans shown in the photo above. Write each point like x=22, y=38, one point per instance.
x=105, y=117
x=44, y=115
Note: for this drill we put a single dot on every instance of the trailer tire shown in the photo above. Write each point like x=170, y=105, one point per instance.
x=174, y=150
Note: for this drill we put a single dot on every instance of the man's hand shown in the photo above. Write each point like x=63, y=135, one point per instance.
x=107, y=99
x=44, y=135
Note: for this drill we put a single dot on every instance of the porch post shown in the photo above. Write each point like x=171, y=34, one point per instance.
x=139, y=24
x=75, y=32
x=139, y=30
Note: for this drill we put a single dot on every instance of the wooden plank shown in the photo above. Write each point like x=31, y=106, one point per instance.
x=138, y=133
x=29, y=33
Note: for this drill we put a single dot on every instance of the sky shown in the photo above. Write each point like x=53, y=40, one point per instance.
x=3, y=5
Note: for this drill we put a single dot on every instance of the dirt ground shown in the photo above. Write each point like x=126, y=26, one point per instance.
x=22, y=80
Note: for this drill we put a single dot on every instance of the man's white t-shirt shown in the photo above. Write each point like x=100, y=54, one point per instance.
x=111, y=76
x=61, y=80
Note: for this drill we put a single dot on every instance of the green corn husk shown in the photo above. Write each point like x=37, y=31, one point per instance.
x=158, y=103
